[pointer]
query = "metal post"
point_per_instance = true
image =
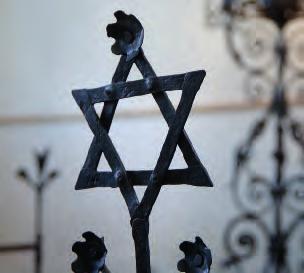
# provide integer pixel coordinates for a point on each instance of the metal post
(39, 188)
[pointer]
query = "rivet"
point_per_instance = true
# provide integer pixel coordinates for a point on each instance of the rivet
(154, 177)
(118, 176)
(108, 90)
(149, 83)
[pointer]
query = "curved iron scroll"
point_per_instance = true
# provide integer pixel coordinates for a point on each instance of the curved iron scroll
(252, 29)
(264, 37)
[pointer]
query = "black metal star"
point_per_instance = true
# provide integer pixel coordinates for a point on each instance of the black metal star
(128, 33)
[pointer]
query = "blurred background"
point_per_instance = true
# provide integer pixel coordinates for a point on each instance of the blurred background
(49, 48)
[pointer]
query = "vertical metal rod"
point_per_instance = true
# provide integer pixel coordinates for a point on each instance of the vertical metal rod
(38, 230)
(280, 106)
(140, 232)
(278, 194)
(39, 188)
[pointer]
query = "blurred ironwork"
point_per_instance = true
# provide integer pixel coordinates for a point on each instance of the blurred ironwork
(128, 34)
(252, 31)
(273, 208)
(38, 186)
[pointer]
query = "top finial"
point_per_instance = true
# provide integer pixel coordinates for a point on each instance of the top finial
(128, 33)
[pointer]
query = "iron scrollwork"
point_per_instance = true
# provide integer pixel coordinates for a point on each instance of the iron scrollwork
(128, 34)
(281, 197)
(273, 57)
(252, 28)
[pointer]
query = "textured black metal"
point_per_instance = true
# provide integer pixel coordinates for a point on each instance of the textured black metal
(273, 195)
(91, 254)
(128, 33)
(39, 186)
(197, 259)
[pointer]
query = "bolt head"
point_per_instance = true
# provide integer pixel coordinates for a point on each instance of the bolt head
(119, 176)
(149, 82)
(109, 90)
(154, 177)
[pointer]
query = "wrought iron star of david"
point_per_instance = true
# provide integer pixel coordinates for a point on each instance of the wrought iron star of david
(121, 178)
(128, 33)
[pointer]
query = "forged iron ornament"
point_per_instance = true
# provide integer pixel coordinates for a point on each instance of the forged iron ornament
(39, 186)
(91, 254)
(252, 28)
(197, 259)
(128, 34)
(281, 196)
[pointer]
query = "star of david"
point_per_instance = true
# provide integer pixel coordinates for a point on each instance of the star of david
(189, 83)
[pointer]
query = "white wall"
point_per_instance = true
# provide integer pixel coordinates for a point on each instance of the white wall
(50, 47)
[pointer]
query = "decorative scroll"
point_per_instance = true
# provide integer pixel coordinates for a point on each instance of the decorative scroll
(265, 38)
(266, 196)
(252, 31)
